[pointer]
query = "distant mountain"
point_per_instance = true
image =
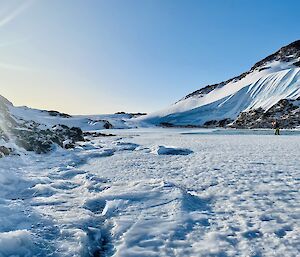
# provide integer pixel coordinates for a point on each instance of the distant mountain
(269, 90)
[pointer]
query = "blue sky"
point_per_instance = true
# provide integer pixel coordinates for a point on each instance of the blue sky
(103, 56)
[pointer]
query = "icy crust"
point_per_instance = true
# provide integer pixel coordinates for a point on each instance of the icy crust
(229, 198)
(17, 243)
(111, 196)
(163, 150)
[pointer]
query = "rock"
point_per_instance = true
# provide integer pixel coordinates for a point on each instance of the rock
(97, 134)
(68, 144)
(297, 64)
(166, 125)
(31, 136)
(286, 112)
(59, 114)
(4, 151)
(36, 141)
(217, 123)
(107, 125)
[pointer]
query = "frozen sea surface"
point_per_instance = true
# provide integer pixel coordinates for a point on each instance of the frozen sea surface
(231, 193)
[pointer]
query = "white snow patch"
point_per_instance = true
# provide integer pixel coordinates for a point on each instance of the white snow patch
(163, 150)
(17, 243)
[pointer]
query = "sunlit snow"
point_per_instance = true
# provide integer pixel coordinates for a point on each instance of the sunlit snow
(231, 193)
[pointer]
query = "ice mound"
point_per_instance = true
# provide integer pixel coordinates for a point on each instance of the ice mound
(17, 243)
(163, 150)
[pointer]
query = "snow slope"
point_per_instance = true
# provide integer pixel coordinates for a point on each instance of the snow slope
(270, 80)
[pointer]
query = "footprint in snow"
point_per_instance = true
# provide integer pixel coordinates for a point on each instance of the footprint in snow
(95, 205)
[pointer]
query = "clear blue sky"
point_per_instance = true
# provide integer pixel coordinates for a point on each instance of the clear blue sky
(103, 56)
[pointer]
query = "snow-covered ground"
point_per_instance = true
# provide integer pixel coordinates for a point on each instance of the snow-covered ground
(155, 192)
(85, 122)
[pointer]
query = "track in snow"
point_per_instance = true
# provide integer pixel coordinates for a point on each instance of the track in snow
(232, 195)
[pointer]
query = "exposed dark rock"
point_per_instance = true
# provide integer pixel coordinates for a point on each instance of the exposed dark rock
(264, 68)
(285, 112)
(36, 141)
(132, 114)
(285, 54)
(203, 91)
(137, 114)
(59, 114)
(97, 134)
(69, 145)
(41, 141)
(64, 132)
(170, 125)
(208, 124)
(217, 123)
(206, 90)
(5, 151)
(107, 125)
(29, 135)
(297, 64)
(166, 125)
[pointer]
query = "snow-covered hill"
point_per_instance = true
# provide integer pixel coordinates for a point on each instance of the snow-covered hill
(23, 128)
(270, 80)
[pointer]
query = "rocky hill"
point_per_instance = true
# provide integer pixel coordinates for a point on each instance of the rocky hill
(40, 131)
(16, 133)
(252, 99)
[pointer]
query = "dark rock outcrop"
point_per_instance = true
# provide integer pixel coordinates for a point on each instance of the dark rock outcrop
(285, 54)
(42, 141)
(106, 123)
(170, 125)
(5, 151)
(131, 114)
(30, 136)
(96, 134)
(286, 112)
(217, 123)
(59, 114)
